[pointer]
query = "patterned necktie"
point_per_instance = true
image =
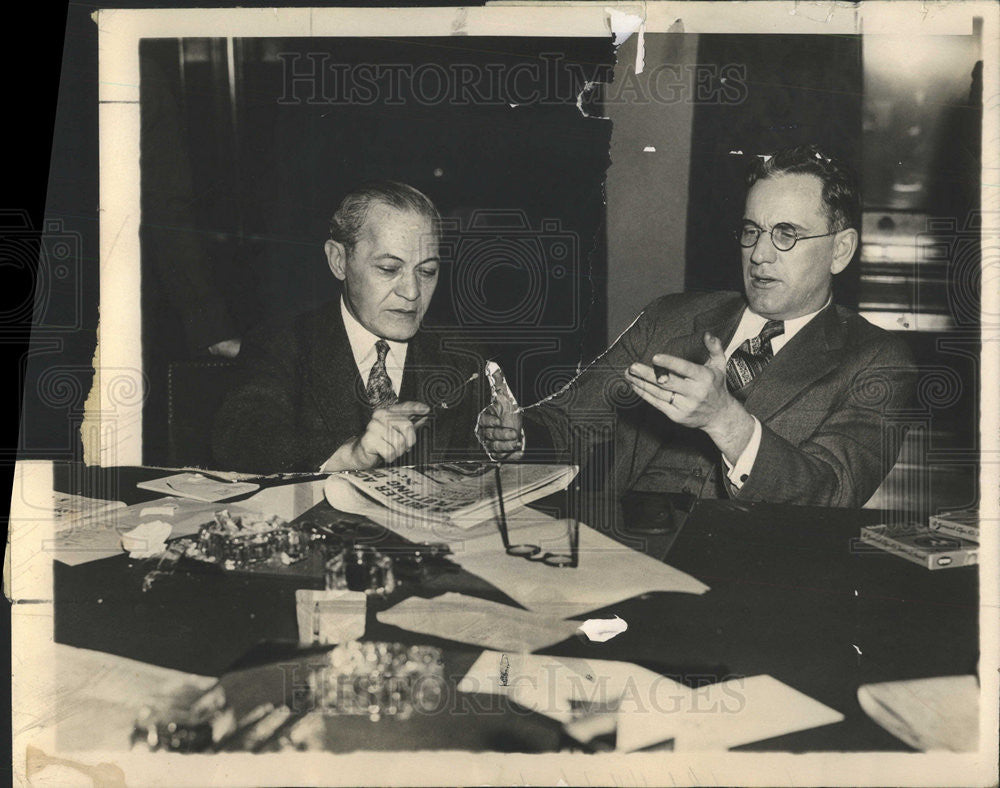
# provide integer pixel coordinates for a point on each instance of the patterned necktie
(379, 391)
(751, 357)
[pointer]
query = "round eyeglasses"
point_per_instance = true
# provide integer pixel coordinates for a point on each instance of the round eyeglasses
(783, 236)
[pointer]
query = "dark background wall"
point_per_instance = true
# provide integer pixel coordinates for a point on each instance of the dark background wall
(243, 165)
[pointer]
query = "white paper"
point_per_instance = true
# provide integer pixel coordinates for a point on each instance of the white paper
(601, 630)
(724, 715)
(198, 487)
(288, 501)
(479, 622)
(940, 713)
(329, 617)
(557, 686)
(608, 571)
(158, 511)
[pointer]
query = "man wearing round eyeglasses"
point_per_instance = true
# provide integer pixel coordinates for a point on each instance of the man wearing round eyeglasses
(774, 394)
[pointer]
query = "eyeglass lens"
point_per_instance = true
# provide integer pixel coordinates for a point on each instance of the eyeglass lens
(782, 236)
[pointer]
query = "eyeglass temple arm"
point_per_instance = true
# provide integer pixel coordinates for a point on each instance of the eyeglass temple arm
(503, 512)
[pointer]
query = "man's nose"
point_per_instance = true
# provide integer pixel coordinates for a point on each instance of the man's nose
(408, 287)
(763, 250)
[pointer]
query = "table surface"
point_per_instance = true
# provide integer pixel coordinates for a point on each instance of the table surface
(792, 594)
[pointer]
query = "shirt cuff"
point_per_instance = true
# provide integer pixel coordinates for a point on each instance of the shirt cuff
(739, 472)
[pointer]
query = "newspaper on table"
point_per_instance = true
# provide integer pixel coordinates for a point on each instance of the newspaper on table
(461, 494)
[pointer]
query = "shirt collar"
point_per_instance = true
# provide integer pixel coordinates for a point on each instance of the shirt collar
(363, 341)
(751, 324)
(796, 324)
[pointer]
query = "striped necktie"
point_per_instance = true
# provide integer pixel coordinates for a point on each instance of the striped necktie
(751, 357)
(379, 390)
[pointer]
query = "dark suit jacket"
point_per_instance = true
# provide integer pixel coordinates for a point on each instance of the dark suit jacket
(301, 398)
(825, 403)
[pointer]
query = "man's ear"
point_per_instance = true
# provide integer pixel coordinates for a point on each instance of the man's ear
(845, 243)
(336, 258)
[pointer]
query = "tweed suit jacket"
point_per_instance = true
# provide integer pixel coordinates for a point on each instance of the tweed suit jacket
(301, 396)
(825, 402)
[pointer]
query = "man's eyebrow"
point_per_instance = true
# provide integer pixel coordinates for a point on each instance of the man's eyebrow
(397, 259)
(793, 225)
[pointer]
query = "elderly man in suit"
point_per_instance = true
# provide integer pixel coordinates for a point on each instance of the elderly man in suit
(348, 385)
(775, 394)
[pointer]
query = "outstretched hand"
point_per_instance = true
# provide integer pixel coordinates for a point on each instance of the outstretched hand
(696, 396)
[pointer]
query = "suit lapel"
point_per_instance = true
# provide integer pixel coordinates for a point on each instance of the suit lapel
(809, 355)
(335, 387)
(721, 321)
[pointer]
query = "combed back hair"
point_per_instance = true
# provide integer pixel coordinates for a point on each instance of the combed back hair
(350, 217)
(840, 186)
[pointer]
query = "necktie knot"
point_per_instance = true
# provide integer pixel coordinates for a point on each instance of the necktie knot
(382, 348)
(772, 329)
(751, 357)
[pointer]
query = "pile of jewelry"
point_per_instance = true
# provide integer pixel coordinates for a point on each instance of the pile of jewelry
(238, 541)
(377, 680)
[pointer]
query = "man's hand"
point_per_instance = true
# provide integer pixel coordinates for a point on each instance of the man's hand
(390, 434)
(500, 422)
(696, 396)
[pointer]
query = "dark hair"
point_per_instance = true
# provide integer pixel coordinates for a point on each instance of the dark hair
(840, 187)
(352, 213)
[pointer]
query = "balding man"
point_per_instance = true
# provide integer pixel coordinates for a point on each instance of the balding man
(350, 385)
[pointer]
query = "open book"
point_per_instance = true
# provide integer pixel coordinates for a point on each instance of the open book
(461, 494)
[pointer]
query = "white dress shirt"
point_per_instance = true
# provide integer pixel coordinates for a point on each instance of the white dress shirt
(750, 326)
(363, 346)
